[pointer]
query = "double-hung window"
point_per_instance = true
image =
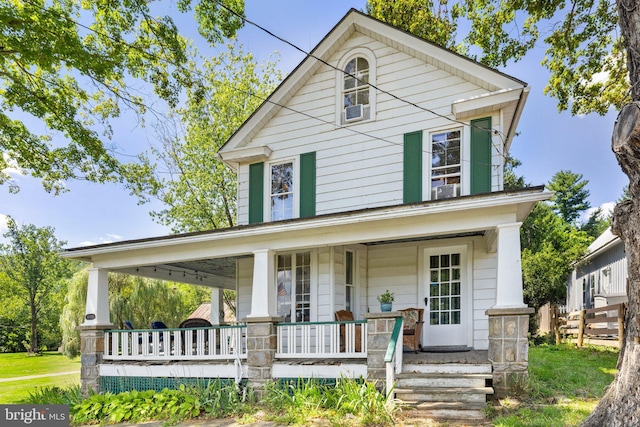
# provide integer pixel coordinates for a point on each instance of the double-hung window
(355, 93)
(294, 287)
(445, 164)
(281, 191)
(349, 287)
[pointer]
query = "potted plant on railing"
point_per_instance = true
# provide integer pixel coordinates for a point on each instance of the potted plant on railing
(386, 300)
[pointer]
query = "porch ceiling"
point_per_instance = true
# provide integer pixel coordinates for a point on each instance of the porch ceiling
(209, 258)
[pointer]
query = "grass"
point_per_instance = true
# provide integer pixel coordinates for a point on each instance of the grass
(565, 384)
(21, 364)
(13, 365)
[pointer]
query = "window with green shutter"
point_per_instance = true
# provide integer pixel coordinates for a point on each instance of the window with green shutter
(256, 193)
(412, 167)
(307, 184)
(481, 155)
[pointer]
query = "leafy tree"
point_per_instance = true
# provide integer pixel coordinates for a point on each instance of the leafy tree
(70, 64)
(550, 247)
(423, 18)
(596, 224)
(571, 198)
(136, 299)
(185, 174)
(512, 181)
(34, 270)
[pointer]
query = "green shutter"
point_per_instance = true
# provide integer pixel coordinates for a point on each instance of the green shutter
(256, 193)
(412, 173)
(481, 155)
(307, 184)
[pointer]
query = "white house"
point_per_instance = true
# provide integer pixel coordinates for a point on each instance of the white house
(377, 164)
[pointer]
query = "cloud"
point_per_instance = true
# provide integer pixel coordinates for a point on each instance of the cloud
(3, 223)
(607, 210)
(111, 238)
(13, 167)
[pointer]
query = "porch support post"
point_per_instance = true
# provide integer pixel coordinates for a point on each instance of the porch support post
(263, 293)
(217, 306)
(97, 310)
(96, 321)
(509, 281)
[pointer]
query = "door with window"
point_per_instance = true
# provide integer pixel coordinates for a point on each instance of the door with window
(446, 294)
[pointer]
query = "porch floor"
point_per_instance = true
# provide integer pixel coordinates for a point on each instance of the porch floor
(473, 357)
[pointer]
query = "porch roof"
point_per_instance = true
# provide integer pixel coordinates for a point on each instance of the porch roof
(208, 257)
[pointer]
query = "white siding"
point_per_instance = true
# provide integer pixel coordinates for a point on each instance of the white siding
(325, 308)
(485, 267)
(355, 170)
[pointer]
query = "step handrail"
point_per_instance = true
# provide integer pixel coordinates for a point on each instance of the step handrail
(391, 356)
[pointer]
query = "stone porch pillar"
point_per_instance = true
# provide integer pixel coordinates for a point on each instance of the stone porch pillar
(509, 349)
(379, 330)
(509, 318)
(96, 321)
(262, 343)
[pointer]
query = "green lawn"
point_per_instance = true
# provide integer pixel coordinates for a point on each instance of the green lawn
(565, 384)
(14, 365)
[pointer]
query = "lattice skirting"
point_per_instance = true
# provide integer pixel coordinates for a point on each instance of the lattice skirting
(120, 384)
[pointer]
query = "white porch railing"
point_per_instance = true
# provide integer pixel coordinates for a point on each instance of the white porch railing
(322, 340)
(212, 343)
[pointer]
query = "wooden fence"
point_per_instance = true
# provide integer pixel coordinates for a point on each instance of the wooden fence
(600, 326)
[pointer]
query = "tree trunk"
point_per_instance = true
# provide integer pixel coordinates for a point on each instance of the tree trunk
(33, 348)
(621, 403)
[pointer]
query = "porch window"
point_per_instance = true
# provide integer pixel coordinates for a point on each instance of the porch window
(445, 165)
(444, 289)
(348, 282)
(281, 191)
(294, 302)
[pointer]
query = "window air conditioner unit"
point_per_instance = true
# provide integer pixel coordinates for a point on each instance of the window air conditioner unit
(353, 113)
(446, 191)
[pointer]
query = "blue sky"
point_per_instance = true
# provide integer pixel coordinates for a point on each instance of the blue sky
(548, 141)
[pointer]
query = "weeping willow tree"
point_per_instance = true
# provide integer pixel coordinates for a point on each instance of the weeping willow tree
(137, 299)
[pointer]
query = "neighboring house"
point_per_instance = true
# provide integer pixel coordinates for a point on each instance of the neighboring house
(600, 277)
(377, 166)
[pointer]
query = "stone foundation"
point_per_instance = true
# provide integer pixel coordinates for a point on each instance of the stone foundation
(379, 329)
(509, 349)
(262, 343)
(92, 348)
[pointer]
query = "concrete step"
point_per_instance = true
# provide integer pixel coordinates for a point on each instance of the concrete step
(446, 410)
(440, 394)
(420, 379)
(447, 368)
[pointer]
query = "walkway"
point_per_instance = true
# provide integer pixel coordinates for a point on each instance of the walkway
(32, 377)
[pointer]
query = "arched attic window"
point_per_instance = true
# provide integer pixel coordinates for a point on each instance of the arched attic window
(356, 97)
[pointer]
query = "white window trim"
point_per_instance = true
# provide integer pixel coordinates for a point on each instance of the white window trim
(354, 284)
(370, 57)
(296, 187)
(465, 156)
(313, 285)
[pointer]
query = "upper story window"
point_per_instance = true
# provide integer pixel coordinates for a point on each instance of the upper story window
(445, 164)
(356, 89)
(281, 191)
(355, 99)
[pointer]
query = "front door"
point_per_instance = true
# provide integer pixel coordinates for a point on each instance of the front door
(445, 291)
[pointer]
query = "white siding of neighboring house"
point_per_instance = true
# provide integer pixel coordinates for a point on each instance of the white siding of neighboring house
(357, 171)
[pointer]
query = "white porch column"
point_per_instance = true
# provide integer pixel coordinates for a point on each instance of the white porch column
(263, 294)
(97, 311)
(217, 306)
(509, 287)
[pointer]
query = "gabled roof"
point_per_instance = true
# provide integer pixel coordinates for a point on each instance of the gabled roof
(605, 241)
(502, 89)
